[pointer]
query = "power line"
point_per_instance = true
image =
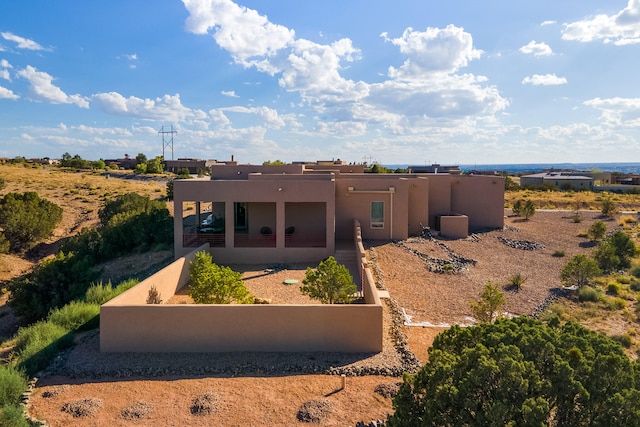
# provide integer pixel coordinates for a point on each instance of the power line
(167, 141)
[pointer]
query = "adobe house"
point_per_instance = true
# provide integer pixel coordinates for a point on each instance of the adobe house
(298, 212)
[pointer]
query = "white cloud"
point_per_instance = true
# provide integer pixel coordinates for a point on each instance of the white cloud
(269, 116)
(536, 49)
(621, 29)
(434, 50)
(4, 74)
(5, 64)
(549, 22)
(240, 30)
(22, 42)
(166, 108)
(229, 93)
(7, 94)
(544, 80)
(424, 87)
(618, 111)
(42, 88)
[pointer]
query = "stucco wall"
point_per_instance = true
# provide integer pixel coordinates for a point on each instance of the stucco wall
(128, 324)
(454, 226)
(481, 198)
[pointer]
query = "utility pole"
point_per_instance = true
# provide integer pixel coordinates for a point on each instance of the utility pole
(167, 141)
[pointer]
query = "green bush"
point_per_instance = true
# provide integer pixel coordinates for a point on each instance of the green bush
(559, 253)
(597, 230)
(38, 344)
(329, 283)
(616, 303)
(76, 315)
(614, 289)
(625, 340)
(214, 284)
(635, 271)
(100, 294)
(587, 293)
(13, 416)
(27, 219)
(13, 382)
(53, 283)
(625, 280)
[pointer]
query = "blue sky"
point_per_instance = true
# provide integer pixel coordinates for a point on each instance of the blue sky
(409, 81)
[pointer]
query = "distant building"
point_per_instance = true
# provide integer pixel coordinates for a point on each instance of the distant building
(434, 168)
(562, 180)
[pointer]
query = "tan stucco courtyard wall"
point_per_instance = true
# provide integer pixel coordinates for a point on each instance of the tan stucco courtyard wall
(128, 324)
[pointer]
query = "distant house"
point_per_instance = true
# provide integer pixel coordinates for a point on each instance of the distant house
(562, 180)
(434, 168)
(297, 212)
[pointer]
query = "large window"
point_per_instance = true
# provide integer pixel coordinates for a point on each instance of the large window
(377, 214)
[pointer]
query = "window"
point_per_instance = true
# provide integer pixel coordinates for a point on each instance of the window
(377, 214)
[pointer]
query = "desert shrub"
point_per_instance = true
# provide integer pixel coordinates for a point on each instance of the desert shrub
(205, 404)
(76, 315)
(635, 285)
(516, 281)
(625, 280)
(387, 389)
(153, 296)
(635, 271)
(13, 416)
(329, 283)
(136, 411)
(52, 284)
(559, 253)
(314, 411)
(626, 219)
(587, 293)
(614, 289)
(577, 218)
(615, 252)
(5, 245)
(597, 230)
(518, 372)
(625, 340)
(608, 208)
(214, 284)
(487, 307)
(38, 344)
(27, 219)
(13, 382)
(82, 407)
(616, 303)
(99, 293)
(579, 271)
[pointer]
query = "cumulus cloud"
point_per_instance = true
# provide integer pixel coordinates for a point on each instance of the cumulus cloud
(536, 49)
(434, 50)
(618, 111)
(425, 85)
(41, 88)
(240, 30)
(229, 93)
(544, 80)
(7, 94)
(166, 108)
(621, 28)
(21, 42)
(5, 64)
(268, 116)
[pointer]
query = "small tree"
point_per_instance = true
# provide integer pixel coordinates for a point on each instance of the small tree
(517, 208)
(615, 251)
(27, 219)
(597, 230)
(487, 308)
(214, 284)
(528, 209)
(330, 283)
(579, 271)
(608, 207)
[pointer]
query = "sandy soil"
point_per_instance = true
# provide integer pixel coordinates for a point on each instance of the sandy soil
(274, 400)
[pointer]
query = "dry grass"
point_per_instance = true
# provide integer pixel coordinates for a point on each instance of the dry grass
(571, 200)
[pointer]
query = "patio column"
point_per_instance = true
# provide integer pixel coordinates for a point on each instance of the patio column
(229, 229)
(280, 224)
